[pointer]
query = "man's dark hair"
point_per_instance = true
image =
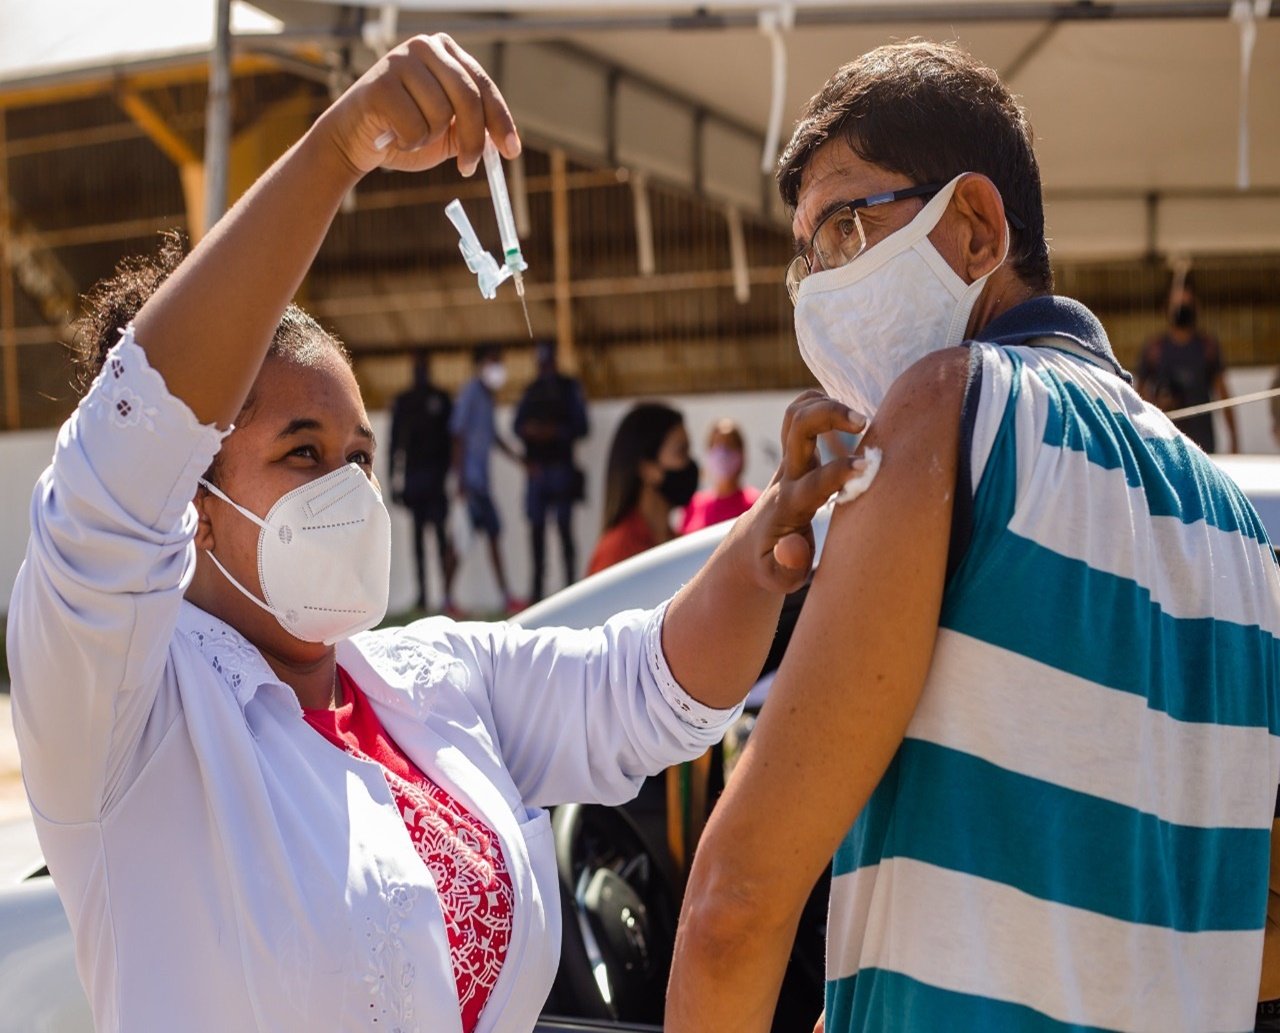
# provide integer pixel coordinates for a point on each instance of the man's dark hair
(930, 112)
(485, 352)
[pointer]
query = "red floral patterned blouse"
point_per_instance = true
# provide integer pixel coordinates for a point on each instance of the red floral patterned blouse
(459, 849)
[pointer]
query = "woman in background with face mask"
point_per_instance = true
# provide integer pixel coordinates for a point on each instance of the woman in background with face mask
(650, 474)
(351, 821)
(727, 498)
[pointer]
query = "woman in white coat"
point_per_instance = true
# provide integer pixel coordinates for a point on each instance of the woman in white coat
(260, 815)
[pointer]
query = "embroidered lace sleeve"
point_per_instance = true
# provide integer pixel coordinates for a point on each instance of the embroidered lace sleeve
(128, 422)
(582, 715)
(95, 604)
(685, 707)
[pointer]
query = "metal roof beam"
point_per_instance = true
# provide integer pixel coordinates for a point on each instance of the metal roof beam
(480, 26)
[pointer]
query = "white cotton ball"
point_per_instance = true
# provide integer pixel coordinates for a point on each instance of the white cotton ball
(861, 480)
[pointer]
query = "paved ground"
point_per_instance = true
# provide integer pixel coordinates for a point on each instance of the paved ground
(13, 801)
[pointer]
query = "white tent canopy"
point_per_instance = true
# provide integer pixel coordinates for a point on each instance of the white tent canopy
(51, 39)
(1137, 105)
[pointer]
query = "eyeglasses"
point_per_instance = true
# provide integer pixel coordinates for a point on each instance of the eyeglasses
(840, 237)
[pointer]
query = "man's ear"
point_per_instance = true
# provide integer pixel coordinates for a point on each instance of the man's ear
(204, 526)
(978, 228)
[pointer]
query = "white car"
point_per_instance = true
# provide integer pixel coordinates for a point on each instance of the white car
(619, 903)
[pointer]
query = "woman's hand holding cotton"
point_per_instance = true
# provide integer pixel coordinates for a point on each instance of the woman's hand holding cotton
(783, 544)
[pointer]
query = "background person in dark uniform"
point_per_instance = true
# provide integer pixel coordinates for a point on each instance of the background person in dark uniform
(551, 416)
(421, 449)
(1182, 366)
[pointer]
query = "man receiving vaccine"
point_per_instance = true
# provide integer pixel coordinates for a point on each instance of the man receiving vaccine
(1031, 705)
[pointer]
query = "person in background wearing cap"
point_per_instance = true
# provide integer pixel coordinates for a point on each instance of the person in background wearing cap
(1030, 713)
(551, 416)
(727, 498)
(475, 435)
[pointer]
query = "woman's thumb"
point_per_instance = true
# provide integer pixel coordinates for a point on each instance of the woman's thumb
(793, 552)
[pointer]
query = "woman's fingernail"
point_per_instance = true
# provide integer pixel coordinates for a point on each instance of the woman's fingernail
(512, 144)
(468, 168)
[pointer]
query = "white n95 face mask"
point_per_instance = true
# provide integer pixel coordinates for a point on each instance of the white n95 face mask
(493, 375)
(324, 556)
(863, 325)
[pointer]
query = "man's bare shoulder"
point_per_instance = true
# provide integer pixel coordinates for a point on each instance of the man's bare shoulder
(928, 395)
(917, 433)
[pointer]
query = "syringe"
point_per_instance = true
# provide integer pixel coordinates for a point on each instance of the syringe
(479, 261)
(512, 255)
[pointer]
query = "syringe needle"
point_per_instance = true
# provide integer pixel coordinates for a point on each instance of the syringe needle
(524, 305)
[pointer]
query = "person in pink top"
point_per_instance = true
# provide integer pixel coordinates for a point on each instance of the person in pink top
(727, 498)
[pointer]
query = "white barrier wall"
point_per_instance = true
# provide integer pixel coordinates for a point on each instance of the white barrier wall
(759, 414)
(24, 454)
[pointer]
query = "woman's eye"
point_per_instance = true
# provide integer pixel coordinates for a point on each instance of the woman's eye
(361, 458)
(305, 452)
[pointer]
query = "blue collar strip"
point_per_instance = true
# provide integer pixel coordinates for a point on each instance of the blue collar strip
(1050, 315)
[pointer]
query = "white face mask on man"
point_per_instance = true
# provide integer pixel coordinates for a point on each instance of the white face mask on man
(324, 556)
(861, 326)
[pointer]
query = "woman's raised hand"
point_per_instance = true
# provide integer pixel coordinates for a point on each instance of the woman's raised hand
(425, 102)
(782, 531)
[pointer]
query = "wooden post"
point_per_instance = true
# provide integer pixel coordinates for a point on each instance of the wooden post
(8, 339)
(175, 147)
(566, 354)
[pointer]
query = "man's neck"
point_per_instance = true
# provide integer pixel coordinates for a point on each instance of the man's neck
(1005, 290)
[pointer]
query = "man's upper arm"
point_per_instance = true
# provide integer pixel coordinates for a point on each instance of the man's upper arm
(852, 676)
(522, 414)
(1214, 361)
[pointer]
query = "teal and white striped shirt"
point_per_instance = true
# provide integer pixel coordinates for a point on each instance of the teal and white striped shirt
(1075, 832)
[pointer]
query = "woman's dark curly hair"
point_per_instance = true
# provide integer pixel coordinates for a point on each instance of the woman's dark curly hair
(112, 303)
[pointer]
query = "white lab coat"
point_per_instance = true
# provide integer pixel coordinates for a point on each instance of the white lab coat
(224, 868)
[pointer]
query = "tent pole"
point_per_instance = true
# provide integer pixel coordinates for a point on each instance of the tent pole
(566, 355)
(217, 133)
(457, 20)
